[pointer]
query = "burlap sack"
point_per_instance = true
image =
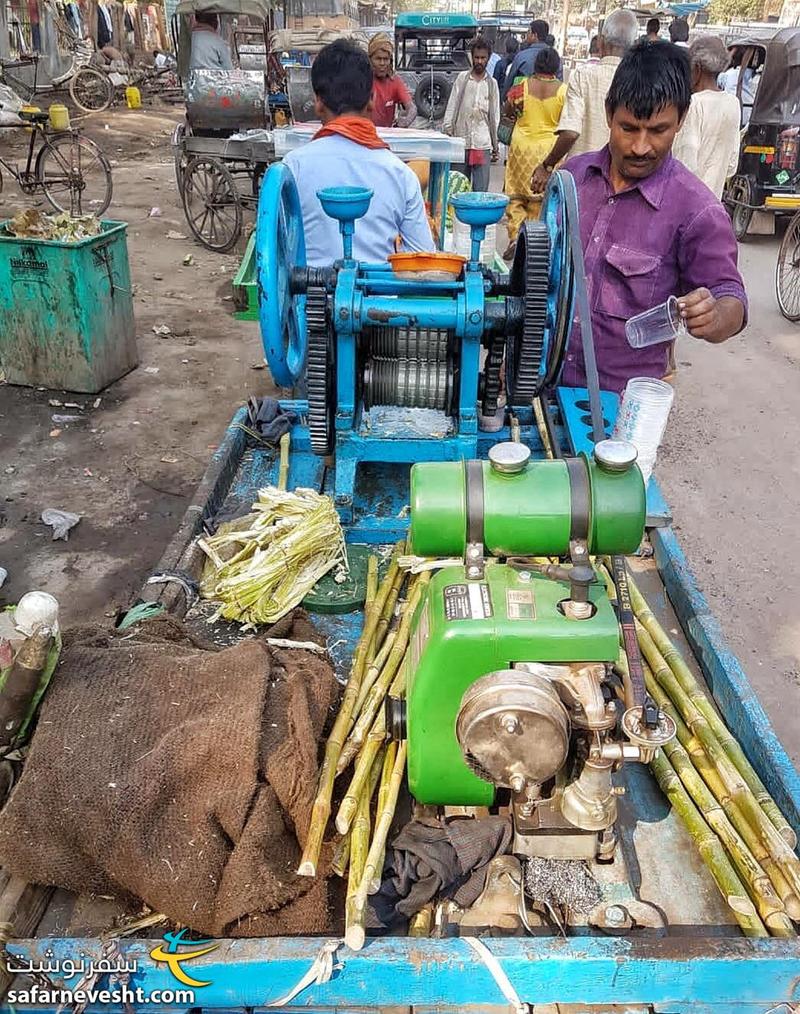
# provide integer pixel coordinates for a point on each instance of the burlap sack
(170, 772)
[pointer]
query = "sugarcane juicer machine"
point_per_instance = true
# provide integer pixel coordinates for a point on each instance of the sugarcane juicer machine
(362, 337)
(510, 689)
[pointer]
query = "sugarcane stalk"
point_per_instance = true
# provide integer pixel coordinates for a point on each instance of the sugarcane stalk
(359, 838)
(420, 924)
(376, 695)
(341, 856)
(321, 810)
(734, 783)
(383, 794)
(366, 758)
(389, 608)
(699, 698)
(372, 673)
(355, 934)
(756, 882)
(283, 468)
(699, 758)
(710, 848)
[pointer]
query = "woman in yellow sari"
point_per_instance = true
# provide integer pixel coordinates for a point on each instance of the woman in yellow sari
(536, 103)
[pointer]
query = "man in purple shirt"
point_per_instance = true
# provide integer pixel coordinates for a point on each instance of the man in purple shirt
(650, 229)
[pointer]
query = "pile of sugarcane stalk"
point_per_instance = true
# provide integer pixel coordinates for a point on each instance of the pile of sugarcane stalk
(358, 739)
(745, 841)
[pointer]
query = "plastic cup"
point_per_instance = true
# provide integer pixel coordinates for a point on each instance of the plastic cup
(642, 418)
(661, 323)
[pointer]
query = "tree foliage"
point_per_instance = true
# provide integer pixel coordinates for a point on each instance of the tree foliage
(725, 11)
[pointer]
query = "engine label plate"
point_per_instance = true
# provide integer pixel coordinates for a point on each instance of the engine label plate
(467, 601)
(519, 604)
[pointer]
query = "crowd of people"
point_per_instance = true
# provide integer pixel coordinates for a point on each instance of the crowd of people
(652, 226)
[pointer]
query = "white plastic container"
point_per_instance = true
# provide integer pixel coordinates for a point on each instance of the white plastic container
(642, 418)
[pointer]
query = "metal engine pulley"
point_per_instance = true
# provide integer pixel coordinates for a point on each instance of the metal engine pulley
(281, 248)
(542, 275)
(513, 729)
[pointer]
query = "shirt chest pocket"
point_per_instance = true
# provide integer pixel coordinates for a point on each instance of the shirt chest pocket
(629, 281)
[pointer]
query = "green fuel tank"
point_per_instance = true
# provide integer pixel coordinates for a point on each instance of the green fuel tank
(516, 506)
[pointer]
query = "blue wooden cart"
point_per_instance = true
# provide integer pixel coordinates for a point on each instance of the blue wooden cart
(699, 965)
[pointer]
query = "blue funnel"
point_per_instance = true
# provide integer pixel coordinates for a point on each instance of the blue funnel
(477, 210)
(345, 204)
(480, 209)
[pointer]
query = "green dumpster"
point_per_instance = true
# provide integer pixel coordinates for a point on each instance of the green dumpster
(66, 310)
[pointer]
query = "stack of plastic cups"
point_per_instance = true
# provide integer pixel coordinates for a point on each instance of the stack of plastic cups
(642, 418)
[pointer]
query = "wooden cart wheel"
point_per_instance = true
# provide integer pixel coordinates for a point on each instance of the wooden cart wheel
(211, 203)
(787, 272)
(179, 136)
(739, 198)
(91, 90)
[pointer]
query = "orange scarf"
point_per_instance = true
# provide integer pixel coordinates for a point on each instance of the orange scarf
(354, 128)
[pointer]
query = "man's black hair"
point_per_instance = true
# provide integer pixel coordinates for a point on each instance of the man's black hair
(651, 76)
(512, 45)
(540, 29)
(480, 43)
(546, 62)
(341, 77)
(653, 26)
(594, 45)
(679, 30)
(207, 18)
(550, 40)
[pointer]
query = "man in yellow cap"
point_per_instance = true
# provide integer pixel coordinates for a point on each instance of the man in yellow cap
(388, 91)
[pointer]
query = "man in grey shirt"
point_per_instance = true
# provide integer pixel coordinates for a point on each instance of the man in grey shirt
(209, 51)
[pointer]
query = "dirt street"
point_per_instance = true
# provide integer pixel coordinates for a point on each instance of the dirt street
(730, 467)
(129, 466)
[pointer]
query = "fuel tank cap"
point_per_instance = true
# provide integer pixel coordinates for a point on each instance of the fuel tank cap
(615, 455)
(509, 457)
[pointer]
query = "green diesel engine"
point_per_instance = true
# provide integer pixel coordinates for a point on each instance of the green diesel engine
(510, 668)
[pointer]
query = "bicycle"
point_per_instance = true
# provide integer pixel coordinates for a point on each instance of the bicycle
(787, 272)
(70, 170)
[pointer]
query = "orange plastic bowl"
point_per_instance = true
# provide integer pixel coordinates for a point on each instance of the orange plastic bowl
(449, 264)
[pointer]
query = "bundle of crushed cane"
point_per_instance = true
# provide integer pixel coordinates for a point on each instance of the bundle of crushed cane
(359, 738)
(744, 839)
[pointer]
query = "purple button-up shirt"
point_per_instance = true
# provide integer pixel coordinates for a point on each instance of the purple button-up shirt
(666, 235)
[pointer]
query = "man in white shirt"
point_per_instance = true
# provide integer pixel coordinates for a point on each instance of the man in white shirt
(473, 114)
(347, 152)
(583, 125)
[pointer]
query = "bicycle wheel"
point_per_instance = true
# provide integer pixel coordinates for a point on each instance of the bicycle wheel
(211, 203)
(91, 90)
(178, 153)
(787, 272)
(74, 174)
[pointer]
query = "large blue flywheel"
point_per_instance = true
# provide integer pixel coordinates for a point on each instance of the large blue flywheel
(280, 248)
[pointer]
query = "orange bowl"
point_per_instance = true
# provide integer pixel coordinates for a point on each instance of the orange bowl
(416, 263)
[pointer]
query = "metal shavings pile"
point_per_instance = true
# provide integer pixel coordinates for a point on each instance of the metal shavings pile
(562, 883)
(394, 420)
(64, 228)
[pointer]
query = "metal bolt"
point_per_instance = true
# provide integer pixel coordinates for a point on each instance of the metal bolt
(473, 571)
(473, 552)
(611, 708)
(509, 723)
(618, 790)
(615, 915)
(524, 575)
(517, 783)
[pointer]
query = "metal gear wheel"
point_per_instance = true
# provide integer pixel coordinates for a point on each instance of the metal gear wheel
(320, 371)
(530, 278)
(492, 368)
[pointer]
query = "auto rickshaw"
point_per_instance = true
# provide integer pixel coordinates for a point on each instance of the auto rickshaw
(768, 87)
